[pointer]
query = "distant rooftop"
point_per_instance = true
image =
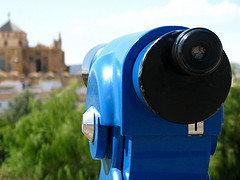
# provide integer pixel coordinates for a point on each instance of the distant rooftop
(9, 26)
(75, 69)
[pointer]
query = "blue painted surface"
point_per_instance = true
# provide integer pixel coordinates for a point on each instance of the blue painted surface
(111, 165)
(167, 157)
(141, 144)
(98, 147)
(135, 74)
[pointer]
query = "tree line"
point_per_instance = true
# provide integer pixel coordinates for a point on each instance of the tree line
(43, 139)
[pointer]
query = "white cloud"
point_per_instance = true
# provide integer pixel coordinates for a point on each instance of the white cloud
(191, 12)
(79, 29)
(222, 18)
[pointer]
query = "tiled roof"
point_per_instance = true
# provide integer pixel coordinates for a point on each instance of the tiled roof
(9, 26)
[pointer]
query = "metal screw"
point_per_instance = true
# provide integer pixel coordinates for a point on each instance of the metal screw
(88, 124)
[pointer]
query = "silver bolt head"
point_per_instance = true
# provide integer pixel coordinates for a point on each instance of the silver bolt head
(88, 124)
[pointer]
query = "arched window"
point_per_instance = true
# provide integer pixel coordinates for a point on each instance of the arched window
(2, 64)
(9, 67)
(20, 43)
(45, 68)
(5, 43)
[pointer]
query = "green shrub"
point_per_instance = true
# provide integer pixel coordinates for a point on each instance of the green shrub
(225, 163)
(18, 107)
(48, 143)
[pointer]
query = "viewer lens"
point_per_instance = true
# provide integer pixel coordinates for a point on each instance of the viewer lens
(197, 51)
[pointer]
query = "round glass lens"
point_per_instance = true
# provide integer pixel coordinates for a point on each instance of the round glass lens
(198, 52)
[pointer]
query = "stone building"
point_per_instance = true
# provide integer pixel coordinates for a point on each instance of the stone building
(17, 56)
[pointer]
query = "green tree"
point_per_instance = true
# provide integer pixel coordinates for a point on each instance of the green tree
(225, 163)
(48, 143)
(18, 107)
(3, 152)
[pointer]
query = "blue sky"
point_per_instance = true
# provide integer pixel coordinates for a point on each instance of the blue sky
(84, 24)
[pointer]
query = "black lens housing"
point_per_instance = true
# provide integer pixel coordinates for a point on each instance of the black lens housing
(183, 56)
(177, 90)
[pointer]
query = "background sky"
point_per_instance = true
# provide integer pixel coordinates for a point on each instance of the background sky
(84, 24)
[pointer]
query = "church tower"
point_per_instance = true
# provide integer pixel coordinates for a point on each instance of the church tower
(11, 36)
(12, 42)
(16, 55)
(58, 43)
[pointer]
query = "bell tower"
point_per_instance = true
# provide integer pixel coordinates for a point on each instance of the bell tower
(11, 36)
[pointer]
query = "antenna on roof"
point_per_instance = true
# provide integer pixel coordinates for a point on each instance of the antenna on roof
(9, 16)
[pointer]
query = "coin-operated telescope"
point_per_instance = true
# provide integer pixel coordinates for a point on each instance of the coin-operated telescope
(154, 105)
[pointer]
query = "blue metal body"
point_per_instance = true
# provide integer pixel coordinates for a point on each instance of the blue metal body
(131, 141)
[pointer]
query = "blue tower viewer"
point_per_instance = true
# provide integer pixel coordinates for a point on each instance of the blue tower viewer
(154, 105)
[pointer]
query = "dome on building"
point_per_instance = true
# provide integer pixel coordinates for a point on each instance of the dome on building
(13, 74)
(65, 74)
(3, 74)
(34, 75)
(9, 26)
(50, 75)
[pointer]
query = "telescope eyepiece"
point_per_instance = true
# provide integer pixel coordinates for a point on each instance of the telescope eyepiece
(197, 51)
(183, 76)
